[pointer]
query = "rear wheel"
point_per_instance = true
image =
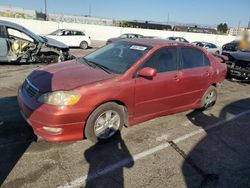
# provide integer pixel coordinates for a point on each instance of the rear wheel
(84, 45)
(105, 122)
(209, 98)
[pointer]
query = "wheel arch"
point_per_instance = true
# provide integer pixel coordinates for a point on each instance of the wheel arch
(214, 84)
(83, 40)
(118, 102)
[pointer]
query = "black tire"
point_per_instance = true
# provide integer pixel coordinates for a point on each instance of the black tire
(229, 76)
(84, 45)
(207, 103)
(90, 124)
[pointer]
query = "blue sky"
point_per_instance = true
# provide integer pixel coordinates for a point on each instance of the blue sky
(188, 11)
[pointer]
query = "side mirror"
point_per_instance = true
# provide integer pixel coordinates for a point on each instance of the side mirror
(147, 72)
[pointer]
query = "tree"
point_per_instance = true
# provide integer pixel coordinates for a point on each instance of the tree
(222, 28)
(124, 24)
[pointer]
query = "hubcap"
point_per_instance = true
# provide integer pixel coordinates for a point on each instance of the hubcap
(84, 45)
(107, 124)
(210, 99)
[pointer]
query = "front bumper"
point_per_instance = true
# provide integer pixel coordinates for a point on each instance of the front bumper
(71, 121)
(238, 73)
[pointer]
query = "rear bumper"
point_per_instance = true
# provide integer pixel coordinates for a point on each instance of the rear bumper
(71, 122)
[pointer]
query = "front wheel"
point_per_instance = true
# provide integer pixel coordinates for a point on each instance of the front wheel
(209, 98)
(105, 122)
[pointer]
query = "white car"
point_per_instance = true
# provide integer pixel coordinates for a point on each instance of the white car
(208, 46)
(72, 38)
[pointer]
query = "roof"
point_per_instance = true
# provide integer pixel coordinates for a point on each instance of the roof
(70, 30)
(155, 42)
(20, 28)
(202, 42)
(11, 24)
(131, 34)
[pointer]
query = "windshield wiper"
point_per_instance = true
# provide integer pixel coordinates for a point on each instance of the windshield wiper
(106, 69)
(88, 63)
(94, 65)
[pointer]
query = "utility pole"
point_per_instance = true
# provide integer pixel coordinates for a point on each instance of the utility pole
(45, 8)
(90, 9)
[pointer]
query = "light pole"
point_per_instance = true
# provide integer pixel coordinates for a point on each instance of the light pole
(45, 8)
(90, 9)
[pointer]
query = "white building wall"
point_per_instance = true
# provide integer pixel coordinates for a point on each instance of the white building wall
(98, 32)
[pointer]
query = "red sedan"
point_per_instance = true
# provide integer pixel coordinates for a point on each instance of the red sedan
(123, 83)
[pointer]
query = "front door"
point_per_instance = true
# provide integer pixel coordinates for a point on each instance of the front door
(158, 94)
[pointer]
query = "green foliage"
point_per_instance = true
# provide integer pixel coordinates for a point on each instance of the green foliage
(222, 28)
(124, 24)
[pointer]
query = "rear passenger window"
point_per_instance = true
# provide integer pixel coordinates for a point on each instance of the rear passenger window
(163, 60)
(192, 58)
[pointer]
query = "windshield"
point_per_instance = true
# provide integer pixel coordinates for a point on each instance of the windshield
(118, 57)
(33, 35)
(124, 36)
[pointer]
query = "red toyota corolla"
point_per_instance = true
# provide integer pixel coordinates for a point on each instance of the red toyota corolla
(123, 83)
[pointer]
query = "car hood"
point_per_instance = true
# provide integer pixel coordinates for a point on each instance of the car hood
(67, 76)
(241, 55)
(55, 43)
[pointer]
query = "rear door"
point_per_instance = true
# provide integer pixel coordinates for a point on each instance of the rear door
(62, 36)
(158, 94)
(195, 74)
(77, 37)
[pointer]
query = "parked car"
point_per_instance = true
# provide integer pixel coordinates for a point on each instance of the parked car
(231, 46)
(124, 36)
(208, 46)
(238, 64)
(18, 44)
(123, 83)
(72, 38)
(178, 39)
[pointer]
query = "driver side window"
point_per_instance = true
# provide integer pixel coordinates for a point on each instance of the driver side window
(163, 60)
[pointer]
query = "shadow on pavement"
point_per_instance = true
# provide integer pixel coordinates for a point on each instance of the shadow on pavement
(222, 157)
(15, 136)
(102, 157)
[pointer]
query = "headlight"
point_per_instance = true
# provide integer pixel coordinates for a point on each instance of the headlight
(59, 98)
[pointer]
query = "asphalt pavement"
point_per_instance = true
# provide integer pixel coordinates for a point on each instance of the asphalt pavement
(189, 149)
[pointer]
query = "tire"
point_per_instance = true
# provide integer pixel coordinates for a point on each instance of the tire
(209, 98)
(229, 76)
(98, 129)
(84, 45)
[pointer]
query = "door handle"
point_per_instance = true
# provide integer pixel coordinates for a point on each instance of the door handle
(207, 73)
(177, 78)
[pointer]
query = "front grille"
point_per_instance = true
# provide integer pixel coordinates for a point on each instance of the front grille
(30, 89)
(242, 65)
